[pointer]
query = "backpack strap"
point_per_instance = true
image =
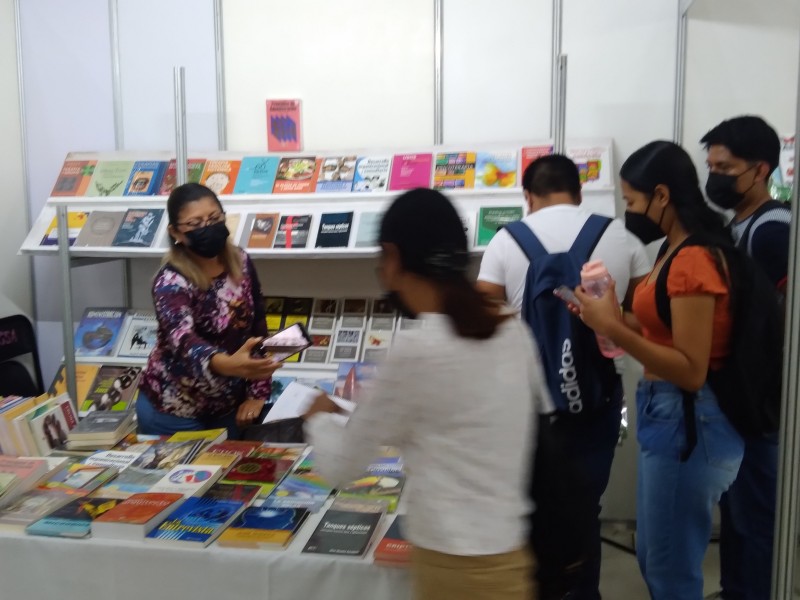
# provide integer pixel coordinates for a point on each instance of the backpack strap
(768, 206)
(589, 237)
(527, 240)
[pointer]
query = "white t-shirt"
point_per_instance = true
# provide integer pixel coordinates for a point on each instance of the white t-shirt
(504, 263)
(463, 413)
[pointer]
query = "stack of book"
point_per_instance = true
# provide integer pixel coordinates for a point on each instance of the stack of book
(101, 429)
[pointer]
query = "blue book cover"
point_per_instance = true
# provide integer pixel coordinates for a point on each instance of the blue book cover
(257, 175)
(372, 174)
(336, 174)
(138, 229)
(73, 520)
(98, 331)
(197, 520)
(145, 178)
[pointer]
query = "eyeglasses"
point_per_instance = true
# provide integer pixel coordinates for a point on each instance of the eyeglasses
(192, 224)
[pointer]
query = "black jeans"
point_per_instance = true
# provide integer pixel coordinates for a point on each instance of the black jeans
(571, 471)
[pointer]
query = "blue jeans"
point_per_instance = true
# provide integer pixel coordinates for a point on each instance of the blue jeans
(748, 523)
(154, 422)
(675, 499)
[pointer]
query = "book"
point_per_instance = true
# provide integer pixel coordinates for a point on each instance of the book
(20, 426)
(264, 527)
(220, 175)
(98, 331)
(295, 401)
(274, 310)
(531, 153)
(72, 520)
(84, 378)
(354, 313)
(394, 549)
(50, 429)
(284, 126)
(301, 488)
(376, 345)
(141, 333)
(233, 491)
(109, 178)
(334, 230)
(224, 460)
(189, 480)
(454, 171)
(207, 436)
(198, 521)
(319, 352)
(411, 171)
(265, 472)
(350, 379)
(28, 471)
(594, 165)
(8, 481)
(101, 425)
(120, 460)
(492, 219)
(372, 174)
(166, 455)
(336, 174)
(132, 480)
(79, 478)
(323, 315)
(114, 389)
(74, 178)
(135, 517)
(283, 451)
(293, 231)
(297, 175)
(256, 175)
(262, 228)
(30, 507)
(369, 225)
(232, 223)
(496, 170)
(346, 529)
(145, 178)
(138, 228)
(100, 229)
(376, 486)
(76, 220)
(388, 461)
(195, 168)
(240, 448)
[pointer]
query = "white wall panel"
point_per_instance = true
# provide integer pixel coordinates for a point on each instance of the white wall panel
(181, 35)
(363, 69)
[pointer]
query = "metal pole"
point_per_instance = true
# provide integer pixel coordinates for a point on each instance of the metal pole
(785, 548)
(219, 47)
(559, 137)
(66, 291)
(556, 54)
(680, 76)
(438, 57)
(181, 160)
(116, 74)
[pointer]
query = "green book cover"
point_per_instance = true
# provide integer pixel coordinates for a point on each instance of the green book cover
(493, 218)
(110, 177)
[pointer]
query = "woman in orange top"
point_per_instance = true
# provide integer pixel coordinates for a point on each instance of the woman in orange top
(679, 481)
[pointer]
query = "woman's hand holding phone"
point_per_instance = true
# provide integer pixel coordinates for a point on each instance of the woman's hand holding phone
(242, 364)
(568, 297)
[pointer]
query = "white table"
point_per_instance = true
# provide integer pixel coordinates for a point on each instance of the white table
(41, 568)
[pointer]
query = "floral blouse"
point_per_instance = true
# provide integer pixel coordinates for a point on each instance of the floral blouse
(193, 326)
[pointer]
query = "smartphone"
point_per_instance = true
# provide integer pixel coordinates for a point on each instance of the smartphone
(284, 344)
(565, 294)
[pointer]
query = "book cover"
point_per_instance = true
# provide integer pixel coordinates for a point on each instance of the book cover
(233, 491)
(240, 448)
(346, 533)
(85, 375)
(50, 429)
(109, 178)
(411, 171)
(531, 153)
(112, 390)
(372, 174)
(138, 228)
(74, 178)
(492, 219)
(293, 231)
(101, 424)
(232, 223)
(188, 480)
(393, 547)
(350, 379)
(207, 436)
(140, 335)
(354, 313)
(132, 480)
(284, 126)
(376, 345)
(265, 472)
(220, 175)
(323, 314)
(197, 520)
(195, 168)
(257, 175)
(76, 220)
(32, 506)
(337, 173)
(98, 331)
(496, 170)
(79, 478)
(297, 175)
(263, 229)
(100, 228)
(25, 469)
(274, 309)
(139, 509)
(74, 519)
(320, 350)
(8, 481)
(304, 489)
(593, 164)
(454, 171)
(166, 455)
(145, 178)
(369, 225)
(120, 460)
(375, 486)
(334, 230)
(264, 527)
(290, 452)
(388, 461)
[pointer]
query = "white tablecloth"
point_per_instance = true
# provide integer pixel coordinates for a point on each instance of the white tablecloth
(41, 568)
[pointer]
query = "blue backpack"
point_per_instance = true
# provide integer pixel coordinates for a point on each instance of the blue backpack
(579, 377)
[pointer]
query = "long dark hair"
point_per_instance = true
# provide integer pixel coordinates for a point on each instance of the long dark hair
(430, 239)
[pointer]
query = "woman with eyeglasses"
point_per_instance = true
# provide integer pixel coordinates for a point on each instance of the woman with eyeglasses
(200, 374)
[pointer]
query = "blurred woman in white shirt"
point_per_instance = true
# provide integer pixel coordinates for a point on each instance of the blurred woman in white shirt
(459, 397)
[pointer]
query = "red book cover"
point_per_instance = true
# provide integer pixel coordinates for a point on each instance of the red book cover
(139, 508)
(284, 126)
(394, 548)
(170, 180)
(531, 153)
(239, 447)
(261, 470)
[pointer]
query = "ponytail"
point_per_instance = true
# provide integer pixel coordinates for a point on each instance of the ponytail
(472, 314)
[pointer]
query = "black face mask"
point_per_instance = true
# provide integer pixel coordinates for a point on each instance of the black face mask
(721, 189)
(208, 241)
(640, 225)
(395, 300)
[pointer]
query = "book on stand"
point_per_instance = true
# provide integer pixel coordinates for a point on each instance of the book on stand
(454, 171)
(297, 175)
(145, 178)
(109, 178)
(98, 331)
(293, 232)
(220, 175)
(496, 170)
(284, 126)
(76, 221)
(336, 174)
(138, 228)
(100, 229)
(256, 175)
(262, 229)
(141, 332)
(195, 168)
(492, 219)
(114, 389)
(372, 174)
(411, 171)
(74, 178)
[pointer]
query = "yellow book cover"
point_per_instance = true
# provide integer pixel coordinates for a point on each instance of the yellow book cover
(208, 435)
(226, 461)
(84, 378)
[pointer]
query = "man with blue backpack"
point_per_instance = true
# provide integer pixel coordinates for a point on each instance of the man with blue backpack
(522, 265)
(743, 152)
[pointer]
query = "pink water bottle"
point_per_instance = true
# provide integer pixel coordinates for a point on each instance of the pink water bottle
(595, 280)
